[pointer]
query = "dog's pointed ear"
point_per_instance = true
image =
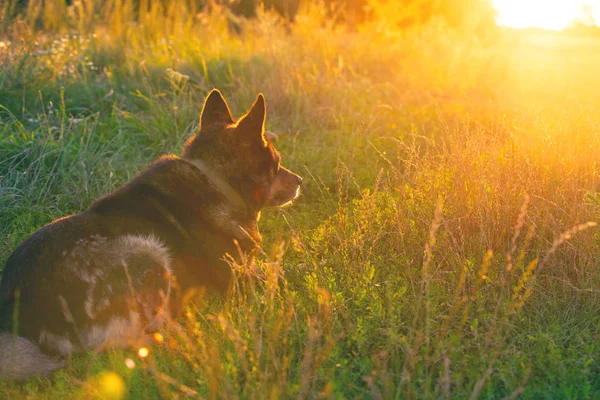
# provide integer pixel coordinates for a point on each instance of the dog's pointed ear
(215, 110)
(252, 124)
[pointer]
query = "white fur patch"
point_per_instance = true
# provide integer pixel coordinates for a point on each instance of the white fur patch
(61, 344)
(117, 252)
(84, 253)
(144, 244)
(120, 332)
(94, 260)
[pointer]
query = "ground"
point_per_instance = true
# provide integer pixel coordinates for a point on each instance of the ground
(444, 245)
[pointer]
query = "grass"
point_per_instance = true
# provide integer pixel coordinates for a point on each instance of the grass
(444, 245)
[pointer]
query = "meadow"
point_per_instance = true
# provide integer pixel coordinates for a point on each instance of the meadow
(445, 242)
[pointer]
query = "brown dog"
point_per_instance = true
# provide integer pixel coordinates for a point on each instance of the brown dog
(96, 277)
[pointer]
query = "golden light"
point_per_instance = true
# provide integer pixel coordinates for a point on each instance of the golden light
(158, 338)
(547, 14)
(110, 386)
(143, 352)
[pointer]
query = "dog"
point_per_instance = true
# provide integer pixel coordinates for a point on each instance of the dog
(96, 278)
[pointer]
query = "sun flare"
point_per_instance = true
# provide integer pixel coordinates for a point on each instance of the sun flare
(554, 15)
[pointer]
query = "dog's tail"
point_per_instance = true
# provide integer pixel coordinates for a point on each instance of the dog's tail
(21, 359)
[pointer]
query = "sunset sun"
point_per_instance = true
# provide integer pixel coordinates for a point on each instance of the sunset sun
(553, 15)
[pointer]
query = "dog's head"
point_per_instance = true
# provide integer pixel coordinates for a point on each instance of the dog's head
(241, 154)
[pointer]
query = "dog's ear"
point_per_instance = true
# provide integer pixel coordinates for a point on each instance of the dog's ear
(252, 124)
(215, 110)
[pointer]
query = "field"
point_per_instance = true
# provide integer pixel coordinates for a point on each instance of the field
(444, 245)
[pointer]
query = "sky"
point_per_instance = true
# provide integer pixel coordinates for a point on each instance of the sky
(548, 14)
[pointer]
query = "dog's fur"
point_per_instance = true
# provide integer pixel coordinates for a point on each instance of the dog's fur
(103, 276)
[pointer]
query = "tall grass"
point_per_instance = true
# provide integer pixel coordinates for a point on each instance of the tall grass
(444, 245)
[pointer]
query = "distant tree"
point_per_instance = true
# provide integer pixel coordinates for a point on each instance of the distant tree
(404, 13)
(247, 8)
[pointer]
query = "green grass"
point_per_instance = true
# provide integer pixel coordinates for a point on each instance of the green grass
(424, 258)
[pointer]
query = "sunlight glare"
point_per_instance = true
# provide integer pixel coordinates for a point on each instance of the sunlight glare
(554, 15)
(110, 386)
(158, 338)
(143, 352)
